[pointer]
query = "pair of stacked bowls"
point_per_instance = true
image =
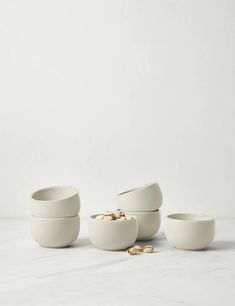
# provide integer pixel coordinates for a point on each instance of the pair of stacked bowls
(143, 203)
(55, 221)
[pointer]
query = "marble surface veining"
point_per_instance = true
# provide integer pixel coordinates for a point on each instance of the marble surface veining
(83, 275)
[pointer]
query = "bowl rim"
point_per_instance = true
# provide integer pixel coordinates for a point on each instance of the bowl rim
(137, 189)
(190, 217)
(154, 212)
(55, 218)
(93, 217)
(74, 192)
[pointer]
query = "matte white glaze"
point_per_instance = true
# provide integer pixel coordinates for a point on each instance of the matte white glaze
(189, 232)
(57, 201)
(146, 198)
(112, 234)
(55, 232)
(148, 223)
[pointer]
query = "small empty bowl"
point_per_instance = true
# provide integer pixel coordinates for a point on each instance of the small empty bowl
(54, 202)
(113, 235)
(189, 232)
(146, 198)
(148, 223)
(55, 232)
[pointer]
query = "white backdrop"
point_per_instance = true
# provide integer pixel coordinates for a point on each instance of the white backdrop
(109, 95)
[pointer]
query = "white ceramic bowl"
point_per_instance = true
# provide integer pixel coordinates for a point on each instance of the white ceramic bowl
(55, 232)
(54, 202)
(148, 223)
(189, 232)
(146, 198)
(112, 235)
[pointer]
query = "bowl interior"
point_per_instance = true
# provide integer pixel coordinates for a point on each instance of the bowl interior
(127, 191)
(190, 217)
(55, 219)
(137, 189)
(54, 193)
(142, 212)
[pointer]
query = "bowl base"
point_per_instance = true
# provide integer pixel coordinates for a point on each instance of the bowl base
(55, 247)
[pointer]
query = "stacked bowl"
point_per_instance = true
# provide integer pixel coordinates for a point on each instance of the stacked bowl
(55, 221)
(143, 203)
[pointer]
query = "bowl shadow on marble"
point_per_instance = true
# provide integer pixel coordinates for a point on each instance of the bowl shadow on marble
(222, 245)
(160, 240)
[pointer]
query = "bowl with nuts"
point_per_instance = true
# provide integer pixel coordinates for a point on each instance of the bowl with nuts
(113, 231)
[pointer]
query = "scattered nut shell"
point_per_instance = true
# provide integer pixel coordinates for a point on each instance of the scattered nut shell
(139, 248)
(133, 251)
(148, 249)
(148, 246)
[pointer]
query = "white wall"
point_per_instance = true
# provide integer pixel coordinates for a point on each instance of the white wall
(109, 95)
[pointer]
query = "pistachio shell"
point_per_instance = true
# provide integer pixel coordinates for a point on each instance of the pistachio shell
(148, 249)
(133, 251)
(109, 213)
(139, 248)
(118, 215)
(108, 218)
(148, 246)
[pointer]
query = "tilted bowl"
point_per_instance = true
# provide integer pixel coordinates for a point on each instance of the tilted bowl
(54, 202)
(146, 198)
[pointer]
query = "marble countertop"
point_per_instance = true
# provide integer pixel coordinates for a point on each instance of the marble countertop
(83, 275)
